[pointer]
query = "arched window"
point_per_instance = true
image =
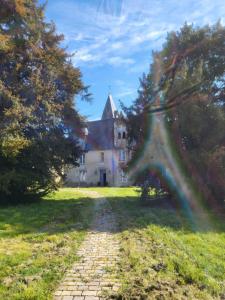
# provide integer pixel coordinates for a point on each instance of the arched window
(124, 135)
(119, 135)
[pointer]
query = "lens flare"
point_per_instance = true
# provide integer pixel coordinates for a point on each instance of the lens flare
(158, 154)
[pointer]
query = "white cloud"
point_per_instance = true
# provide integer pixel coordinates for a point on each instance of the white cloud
(118, 61)
(126, 92)
(115, 32)
(117, 45)
(83, 55)
(123, 90)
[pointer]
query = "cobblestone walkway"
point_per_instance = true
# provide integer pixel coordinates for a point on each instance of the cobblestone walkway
(90, 278)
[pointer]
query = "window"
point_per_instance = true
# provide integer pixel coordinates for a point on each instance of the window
(102, 157)
(122, 155)
(119, 135)
(129, 154)
(83, 175)
(82, 159)
(123, 176)
(124, 135)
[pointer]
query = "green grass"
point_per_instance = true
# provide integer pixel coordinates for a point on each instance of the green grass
(39, 241)
(162, 257)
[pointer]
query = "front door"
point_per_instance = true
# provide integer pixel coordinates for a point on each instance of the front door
(103, 177)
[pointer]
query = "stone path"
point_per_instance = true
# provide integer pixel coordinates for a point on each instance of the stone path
(90, 278)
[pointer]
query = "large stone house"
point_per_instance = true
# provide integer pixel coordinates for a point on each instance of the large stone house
(106, 153)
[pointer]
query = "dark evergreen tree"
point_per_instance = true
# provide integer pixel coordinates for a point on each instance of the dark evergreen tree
(38, 119)
(193, 87)
(137, 114)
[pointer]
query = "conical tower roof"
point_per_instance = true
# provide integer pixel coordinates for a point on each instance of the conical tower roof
(110, 109)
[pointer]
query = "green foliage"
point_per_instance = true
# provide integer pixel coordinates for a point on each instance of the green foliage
(137, 117)
(190, 79)
(197, 127)
(194, 85)
(38, 120)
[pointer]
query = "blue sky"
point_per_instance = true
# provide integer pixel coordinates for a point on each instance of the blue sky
(112, 40)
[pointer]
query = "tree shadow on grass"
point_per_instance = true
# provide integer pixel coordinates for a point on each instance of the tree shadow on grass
(131, 215)
(66, 215)
(46, 216)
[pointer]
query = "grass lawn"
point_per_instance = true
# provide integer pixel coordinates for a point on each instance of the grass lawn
(39, 241)
(162, 257)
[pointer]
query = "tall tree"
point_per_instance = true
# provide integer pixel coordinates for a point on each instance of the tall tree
(38, 119)
(192, 87)
(137, 114)
(194, 70)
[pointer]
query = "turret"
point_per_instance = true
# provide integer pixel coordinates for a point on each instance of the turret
(110, 110)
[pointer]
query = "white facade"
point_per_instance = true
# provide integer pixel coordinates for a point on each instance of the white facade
(106, 155)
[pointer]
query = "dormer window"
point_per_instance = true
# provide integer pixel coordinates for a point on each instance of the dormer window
(119, 135)
(124, 135)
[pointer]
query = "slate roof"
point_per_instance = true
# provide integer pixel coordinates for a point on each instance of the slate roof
(110, 109)
(100, 135)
